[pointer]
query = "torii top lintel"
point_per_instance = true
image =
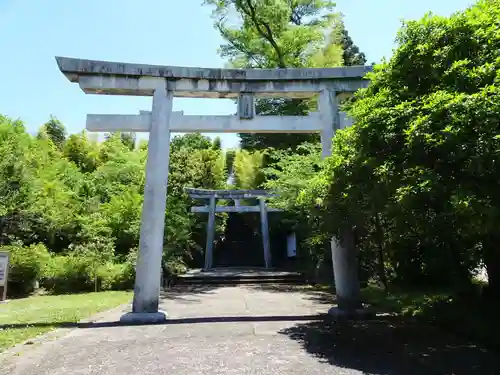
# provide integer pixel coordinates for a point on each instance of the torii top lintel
(117, 78)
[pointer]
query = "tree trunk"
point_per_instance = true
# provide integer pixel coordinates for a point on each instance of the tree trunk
(379, 238)
(491, 257)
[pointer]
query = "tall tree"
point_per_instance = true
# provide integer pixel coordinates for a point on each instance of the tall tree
(230, 155)
(82, 151)
(277, 34)
(351, 54)
(217, 143)
(193, 141)
(417, 170)
(128, 139)
(248, 171)
(55, 131)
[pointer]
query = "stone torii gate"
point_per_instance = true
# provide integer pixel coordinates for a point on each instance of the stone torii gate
(236, 196)
(162, 83)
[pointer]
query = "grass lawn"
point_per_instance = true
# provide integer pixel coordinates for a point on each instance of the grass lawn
(404, 302)
(51, 310)
(397, 300)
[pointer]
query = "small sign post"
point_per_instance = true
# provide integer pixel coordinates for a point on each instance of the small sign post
(291, 245)
(4, 274)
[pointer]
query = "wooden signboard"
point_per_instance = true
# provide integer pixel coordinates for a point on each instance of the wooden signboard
(4, 274)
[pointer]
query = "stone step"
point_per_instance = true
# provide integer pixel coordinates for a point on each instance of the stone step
(229, 281)
(228, 276)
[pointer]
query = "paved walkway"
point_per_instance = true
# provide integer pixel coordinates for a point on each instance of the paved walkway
(249, 330)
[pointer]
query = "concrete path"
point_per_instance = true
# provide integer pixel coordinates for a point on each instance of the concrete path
(249, 330)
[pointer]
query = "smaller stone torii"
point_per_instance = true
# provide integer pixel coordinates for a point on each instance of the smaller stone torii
(236, 196)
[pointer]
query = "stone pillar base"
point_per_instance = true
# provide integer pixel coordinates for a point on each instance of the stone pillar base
(337, 313)
(144, 318)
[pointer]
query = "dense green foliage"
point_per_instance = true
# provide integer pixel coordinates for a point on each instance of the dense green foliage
(416, 177)
(82, 201)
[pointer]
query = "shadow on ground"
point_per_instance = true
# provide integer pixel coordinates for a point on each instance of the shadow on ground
(188, 293)
(391, 345)
(311, 293)
(194, 320)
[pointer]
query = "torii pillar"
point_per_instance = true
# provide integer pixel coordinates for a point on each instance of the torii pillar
(344, 252)
(149, 260)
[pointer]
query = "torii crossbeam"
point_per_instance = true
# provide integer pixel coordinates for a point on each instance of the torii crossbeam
(181, 123)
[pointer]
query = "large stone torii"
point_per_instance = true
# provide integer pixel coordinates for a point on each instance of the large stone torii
(164, 83)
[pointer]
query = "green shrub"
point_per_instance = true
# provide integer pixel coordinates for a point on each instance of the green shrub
(174, 266)
(69, 273)
(26, 266)
(115, 276)
(75, 273)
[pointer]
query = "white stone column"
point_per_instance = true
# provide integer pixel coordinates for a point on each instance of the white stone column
(344, 253)
(148, 269)
(328, 108)
(265, 232)
(210, 234)
(345, 269)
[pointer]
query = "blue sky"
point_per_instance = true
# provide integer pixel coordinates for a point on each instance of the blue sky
(164, 32)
